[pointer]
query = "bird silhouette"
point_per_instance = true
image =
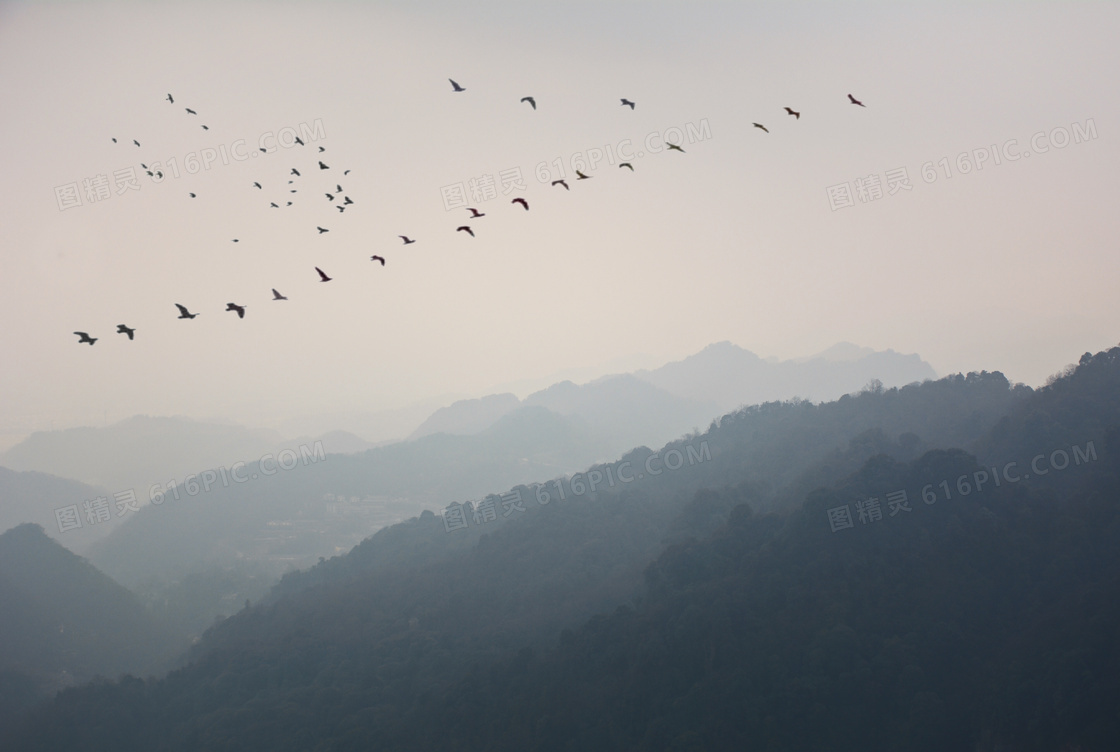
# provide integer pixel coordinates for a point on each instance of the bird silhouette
(337, 188)
(171, 99)
(273, 204)
(323, 166)
(378, 258)
(321, 148)
(674, 146)
(628, 102)
(191, 111)
(626, 164)
(295, 172)
(340, 209)
(114, 140)
(346, 172)
(530, 100)
(205, 127)
(83, 337)
(258, 185)
(581, 176)
(856, 101)
(475, 213)
(159, 174)
(465, 228)
(235, 240)
(322, 229)
(135, 142)
(276, 295)
(521, 201)
(234, 307)
(406, 239)
(346, 200)
(760, 125)
(455, 86)
(563, 183)
(122, 329)
(322, 276)
(300, 141)
(191, 195)
(329, 197)
(184, 313)
(796, 115)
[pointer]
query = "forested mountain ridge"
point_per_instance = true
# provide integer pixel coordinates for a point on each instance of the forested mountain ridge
(962, 623)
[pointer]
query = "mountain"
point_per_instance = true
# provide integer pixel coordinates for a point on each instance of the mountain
(731, 376)
(467, 416)
(33, 497)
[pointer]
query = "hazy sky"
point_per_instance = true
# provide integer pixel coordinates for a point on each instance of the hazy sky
(1010, 267)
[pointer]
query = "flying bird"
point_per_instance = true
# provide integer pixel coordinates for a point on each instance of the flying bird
(346, 172)
(122, 329)
(628, 102)
(258, 185)
(530, 100)
(760, 125)
(581, 176)
(674, 146)
(295, 172)
(83, 337)
(406, 239)
(159, 174)
(378, 258)
(322, 276)
(114, 140)
(321, 229)
(135, 142)
(205, 127)
(191, 195)
(337, 188)
(521, 201)
(856, 101)
(329, 196)
(234, 307)
(475, 213)
(346, 200)
(276, 295)
(321, 148)
(235, 240)
(796, 115)
(340, 209)
(184, 313)
(323, 166)
(274, 205)
(300, 141)
(455, 86)
(191, 111)
(626, 164)
(171, 99)
(563, 183)
(467, 229)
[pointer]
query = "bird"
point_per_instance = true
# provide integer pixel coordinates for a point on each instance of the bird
(530, 100)
(274, 205)
(83, 337)
(626, 164)
(796, 115)
(264, 150)
(295, 172)
(346, 172)
(122, 329)
(581, 176)
(455, 86)
(322, 276)
(114, 140)
(674, 146)
(205, 127)
(760, 125)
(406, 239)
(475, 213)
(235, 240)
(300, 141)
(323, 166)
(340, 209)
(258, 185)
(521, 201)
(856, 101)
(321, 229)
(346, 200)
(234, 307)
(276, 295)
(378, 258)
(628, 102)
(171, 99)
(145, 167)
(159, 174)
(467, 229)
(191, 195)
(321, 148)
(337, 188)
(191, 111)
(135, 142)
(563, 183)
(184, 313)
(329, 196)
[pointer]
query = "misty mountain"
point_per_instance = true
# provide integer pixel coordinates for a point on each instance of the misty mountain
(33, 497)
(731, 376)
(726, 621)
(63, 621)
(468, 416)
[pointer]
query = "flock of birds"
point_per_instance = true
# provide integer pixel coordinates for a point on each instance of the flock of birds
(184, 313)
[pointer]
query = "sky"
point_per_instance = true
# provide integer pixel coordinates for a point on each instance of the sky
(965, 213)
